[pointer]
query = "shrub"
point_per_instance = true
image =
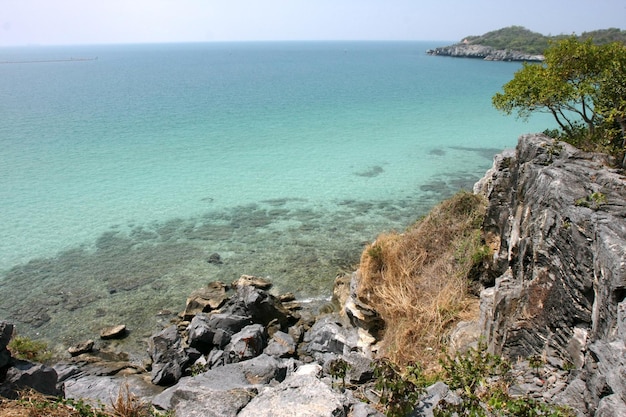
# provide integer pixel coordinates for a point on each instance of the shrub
(24, 348)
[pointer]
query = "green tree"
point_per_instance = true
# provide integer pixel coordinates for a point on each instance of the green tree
(582, 85)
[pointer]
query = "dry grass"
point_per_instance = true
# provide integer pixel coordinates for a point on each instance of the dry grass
(34, 404)
(418, 280)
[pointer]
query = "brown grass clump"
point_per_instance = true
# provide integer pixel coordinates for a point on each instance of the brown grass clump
(418, 280)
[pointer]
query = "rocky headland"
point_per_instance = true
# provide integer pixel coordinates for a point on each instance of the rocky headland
(553, 288)
(487, 53)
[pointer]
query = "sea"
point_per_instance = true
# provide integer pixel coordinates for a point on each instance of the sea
(132, 175)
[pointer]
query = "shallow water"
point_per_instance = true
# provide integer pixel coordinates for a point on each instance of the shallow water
(121, 177)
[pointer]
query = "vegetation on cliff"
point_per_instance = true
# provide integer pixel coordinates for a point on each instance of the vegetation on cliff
(519, 38)
(419, 280)
(583, 86)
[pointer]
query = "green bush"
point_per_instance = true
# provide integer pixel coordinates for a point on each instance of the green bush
(24, 348)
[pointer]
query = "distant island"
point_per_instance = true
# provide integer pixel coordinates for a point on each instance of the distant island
(516, 43)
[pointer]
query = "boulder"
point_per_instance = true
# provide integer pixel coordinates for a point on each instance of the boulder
(222, 391)
(205, 299)
(105, 389)
(329, 337)
(113, 332)
(6, 332)
(246, 344)
(298, 395)
(263, 307)
(281, 345)
(251, 281)
(215, 330)
(80, 348)
(23, 375)
(168, 356)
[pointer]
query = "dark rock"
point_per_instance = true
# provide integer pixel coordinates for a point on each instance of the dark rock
(207, 331)
(23, 375)
(168, 356)
(113, 332)
(263, 307)
(205, 299)
(6, 332)
(215, 259)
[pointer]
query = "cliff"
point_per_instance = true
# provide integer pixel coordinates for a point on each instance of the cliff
(556, 285)
(487, 53)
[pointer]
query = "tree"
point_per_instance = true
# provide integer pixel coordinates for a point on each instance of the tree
(582, 85)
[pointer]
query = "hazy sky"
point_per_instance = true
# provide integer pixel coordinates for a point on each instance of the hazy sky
(43, 22)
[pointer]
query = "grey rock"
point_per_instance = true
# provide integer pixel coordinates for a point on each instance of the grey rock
(360, 409)
(281, 345)
(246, 344)
(106, 389)
(611, 406)
(487, 53)
(222, 391)
(555, 287)
(22, 375)
(330, 335)
(298, 395)
(215, 330)
(168, 356)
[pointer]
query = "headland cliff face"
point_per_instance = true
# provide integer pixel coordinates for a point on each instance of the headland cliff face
(556, 285)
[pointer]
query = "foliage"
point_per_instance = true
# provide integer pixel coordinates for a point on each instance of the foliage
(481, 380)
(593, 201)
(28, 349)
(418, 280)
(399, 391)
(338, 368)
(582, 85)
(519, 38)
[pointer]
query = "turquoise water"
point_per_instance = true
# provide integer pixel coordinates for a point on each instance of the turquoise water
(120, 176)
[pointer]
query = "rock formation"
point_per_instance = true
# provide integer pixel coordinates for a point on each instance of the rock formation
(462, 50)
(556, 285)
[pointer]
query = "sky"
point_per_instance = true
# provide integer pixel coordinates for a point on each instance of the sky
(62, 22)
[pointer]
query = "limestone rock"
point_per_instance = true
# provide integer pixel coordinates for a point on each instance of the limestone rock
(80, 348)
(205, 299)
(252, 281)
(484, 52)
(298, 395)
(113, 332)
(557, 278)
(281, 345)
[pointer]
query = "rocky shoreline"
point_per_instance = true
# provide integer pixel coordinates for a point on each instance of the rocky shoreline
(487, 53)
(554, 289)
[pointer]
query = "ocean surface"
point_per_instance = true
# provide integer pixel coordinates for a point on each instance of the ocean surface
(132, 175)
